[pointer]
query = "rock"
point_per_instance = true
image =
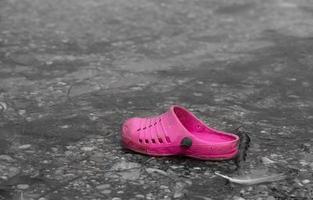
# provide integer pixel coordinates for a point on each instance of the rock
(267, 161)
(140, 196)
(154, 170)
(103, 186)
(12, 171)
(25, 146)
(131, 174)
(270, 198)
(6, 158)
(305, 181)
(163, 187)
(179, 190)
(149, 196)
(3, 106)
(124, 165)
(22, 186)
(106, 191)
(22, 112)
(87, 148)
(116, 198)
(238, 198)
(98, 157)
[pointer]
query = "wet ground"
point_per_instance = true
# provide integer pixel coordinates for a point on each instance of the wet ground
(72, 71)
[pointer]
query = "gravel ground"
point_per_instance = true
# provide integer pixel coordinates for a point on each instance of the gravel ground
(72, 71)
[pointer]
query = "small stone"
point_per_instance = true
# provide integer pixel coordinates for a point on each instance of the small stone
(179, 190)
(103, 186)
(42, 198)
(12, 171)
(263, 132)
(21, 112)
(303, 162)
(140, 196)
(123, 165)
(67, 153)
(197, 94)
(6, 158)
(267, 161)
(154, 170)
(149, 196)
(3, 106)
(131, 174)
(64, 126)
(22, 186)
(305, 181)
(116, 198)
(238, 198)
(106, 191)
(87, 148)
(270, 198)
(25, 146)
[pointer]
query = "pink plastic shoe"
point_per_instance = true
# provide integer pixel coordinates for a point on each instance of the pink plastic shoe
(178, 132)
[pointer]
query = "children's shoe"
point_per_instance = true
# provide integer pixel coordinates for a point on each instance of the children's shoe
(178, 132)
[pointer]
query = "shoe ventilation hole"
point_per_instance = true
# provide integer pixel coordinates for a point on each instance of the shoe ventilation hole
(160, 140)
(153, 141)
(140, 140)
(144, 128)
(147, 141)
(168, 139)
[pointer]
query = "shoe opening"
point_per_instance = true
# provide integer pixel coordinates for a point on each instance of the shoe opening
(199, 129)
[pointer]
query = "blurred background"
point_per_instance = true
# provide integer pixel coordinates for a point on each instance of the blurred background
(72, 71)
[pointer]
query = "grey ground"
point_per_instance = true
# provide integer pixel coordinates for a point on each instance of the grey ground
(72, 71)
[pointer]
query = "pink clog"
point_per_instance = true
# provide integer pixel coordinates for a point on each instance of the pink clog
(178, 132)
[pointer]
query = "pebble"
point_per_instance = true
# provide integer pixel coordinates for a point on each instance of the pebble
(22, 186)
(6, 158)
(25, 146)
(263, 131)
(140, 196)
(103, 186)
(3, 106)
(238, 198)
(87, 148)
(42, 198)
(153, 170)
(116, 198)
(124, 165)
(305, 181)
(267, 161)
(106, 191)
(179, 190)
(270, 198)
(130, 174)
(21, 112)
(163, 187)
(197, 94)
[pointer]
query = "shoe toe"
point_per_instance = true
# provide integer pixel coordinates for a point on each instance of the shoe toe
(130, 128)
